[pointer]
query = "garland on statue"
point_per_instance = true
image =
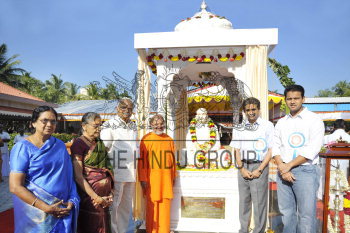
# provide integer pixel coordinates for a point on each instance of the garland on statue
(206, 146)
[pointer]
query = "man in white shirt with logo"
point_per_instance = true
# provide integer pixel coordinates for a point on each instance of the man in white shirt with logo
(120, 137)
(253, 146)
(297, 141)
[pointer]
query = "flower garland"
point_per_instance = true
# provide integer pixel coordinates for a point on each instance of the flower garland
(202, 84)
(206, 146)
(203, 58)
(346, 208)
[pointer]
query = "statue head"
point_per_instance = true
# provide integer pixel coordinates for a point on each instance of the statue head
(202, 115)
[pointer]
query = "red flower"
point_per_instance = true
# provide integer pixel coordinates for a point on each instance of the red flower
(215, 60)
(170, 56)
(160, 56)
(199, 59)
(234, 56)
(203, 56)
(219, 56)
(228, 55)
(179, 56)
(232, 59)
(242, 54)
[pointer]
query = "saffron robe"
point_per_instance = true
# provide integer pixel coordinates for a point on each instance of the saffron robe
(157, 167)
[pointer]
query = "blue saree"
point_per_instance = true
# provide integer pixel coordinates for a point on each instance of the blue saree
(49, 175)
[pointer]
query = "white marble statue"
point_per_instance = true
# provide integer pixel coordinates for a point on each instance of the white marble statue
(202, 136)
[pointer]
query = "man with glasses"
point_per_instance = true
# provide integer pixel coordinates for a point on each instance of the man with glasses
(253, 148)
(120, 137)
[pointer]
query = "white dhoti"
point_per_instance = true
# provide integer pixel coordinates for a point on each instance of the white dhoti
(122, 204)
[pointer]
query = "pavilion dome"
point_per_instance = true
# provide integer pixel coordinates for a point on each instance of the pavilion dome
(204, 20)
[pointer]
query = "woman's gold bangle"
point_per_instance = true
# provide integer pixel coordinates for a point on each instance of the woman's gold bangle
(36, 198)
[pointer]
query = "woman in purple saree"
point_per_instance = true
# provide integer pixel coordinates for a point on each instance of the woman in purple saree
(42, 180)
(93, 174)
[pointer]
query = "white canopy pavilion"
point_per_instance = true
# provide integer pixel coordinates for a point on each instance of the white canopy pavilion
(203, 49)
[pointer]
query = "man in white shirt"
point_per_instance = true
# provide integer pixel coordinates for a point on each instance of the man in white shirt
(20, 136)
(253, 146)
(339, 134)
(297, 141)
(5, 170)
(120, 137)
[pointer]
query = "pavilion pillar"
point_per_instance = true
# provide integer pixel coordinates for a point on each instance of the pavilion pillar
(256, 57)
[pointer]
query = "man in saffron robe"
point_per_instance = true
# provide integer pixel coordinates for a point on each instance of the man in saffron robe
(157, 171)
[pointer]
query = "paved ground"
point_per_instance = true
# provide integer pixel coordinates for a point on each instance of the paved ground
(6, 196)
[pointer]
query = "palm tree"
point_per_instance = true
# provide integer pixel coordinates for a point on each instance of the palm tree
(342, 88)
(55, 90)
(93, 91)
(113, 93)
(8, 71)
(71, 90)
(281, 71)
(32, 85)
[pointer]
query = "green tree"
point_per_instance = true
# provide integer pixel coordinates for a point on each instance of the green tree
(341, 89)
(9, 73)
(32, 85)
(124, 94)
(71, 90)
(110, 92)
(281, 71)
(93, 91)
(54, 89)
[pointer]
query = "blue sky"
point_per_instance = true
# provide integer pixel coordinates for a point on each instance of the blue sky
(86, 39)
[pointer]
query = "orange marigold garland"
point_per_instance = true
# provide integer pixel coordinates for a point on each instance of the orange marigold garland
(346, 209)
(206, 146)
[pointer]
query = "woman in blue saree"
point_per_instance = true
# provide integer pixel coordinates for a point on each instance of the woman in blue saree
(42, 180)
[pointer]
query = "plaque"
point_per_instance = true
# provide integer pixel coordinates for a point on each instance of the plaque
(203, 207)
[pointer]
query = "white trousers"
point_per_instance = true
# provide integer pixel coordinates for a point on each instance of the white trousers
(121, 207)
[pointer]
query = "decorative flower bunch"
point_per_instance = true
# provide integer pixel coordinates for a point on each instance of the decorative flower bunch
(200, 156)
(202, 84)
(346, 208)
(203, 58)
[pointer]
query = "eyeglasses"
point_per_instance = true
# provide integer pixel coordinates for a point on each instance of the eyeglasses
(45, 121)
(125, 108)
